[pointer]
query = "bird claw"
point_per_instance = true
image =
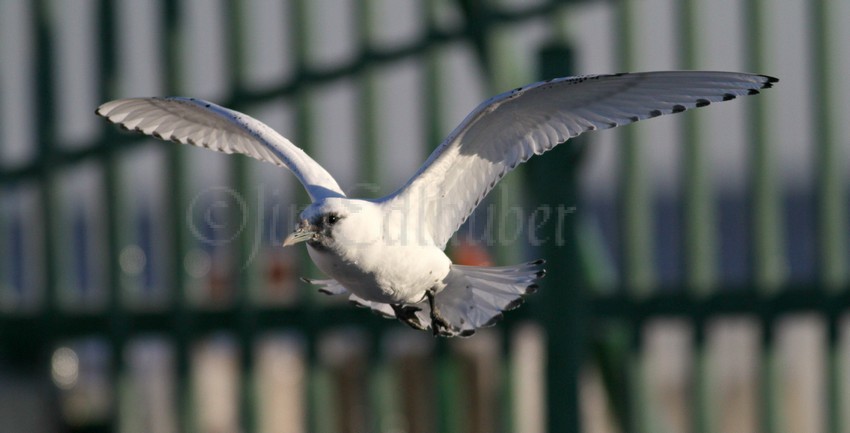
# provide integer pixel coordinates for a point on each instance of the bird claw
(440, 327)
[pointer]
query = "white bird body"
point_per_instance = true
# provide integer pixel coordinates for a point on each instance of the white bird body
(377, 262)
(387, 254)
(386, 274)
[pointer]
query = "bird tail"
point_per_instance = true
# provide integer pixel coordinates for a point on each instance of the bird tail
(476, 297)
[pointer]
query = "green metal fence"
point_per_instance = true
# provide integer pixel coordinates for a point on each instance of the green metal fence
(585, 322)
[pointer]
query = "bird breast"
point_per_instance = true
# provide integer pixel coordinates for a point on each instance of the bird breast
(393, 274)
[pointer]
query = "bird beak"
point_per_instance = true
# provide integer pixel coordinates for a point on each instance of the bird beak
(304, 232)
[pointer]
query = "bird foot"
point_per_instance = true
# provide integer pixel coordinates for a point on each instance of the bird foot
(407, 315)
(439, 325)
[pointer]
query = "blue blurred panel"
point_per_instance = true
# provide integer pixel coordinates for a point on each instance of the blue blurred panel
(16, 267)
(800, 234)
(80, 252)
(668, 229)
(735, 240)
(144, 228)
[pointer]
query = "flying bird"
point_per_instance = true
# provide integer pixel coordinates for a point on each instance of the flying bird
(387, 253)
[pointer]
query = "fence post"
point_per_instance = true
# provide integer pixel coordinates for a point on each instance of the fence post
(553, 184)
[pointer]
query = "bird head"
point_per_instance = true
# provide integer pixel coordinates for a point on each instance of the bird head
(328, 221)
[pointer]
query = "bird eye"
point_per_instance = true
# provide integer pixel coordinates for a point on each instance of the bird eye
(332, 219)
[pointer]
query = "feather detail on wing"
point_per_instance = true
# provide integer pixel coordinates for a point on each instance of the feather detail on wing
(508, 129)
(332, 287)
(204, 124)
(327, 287)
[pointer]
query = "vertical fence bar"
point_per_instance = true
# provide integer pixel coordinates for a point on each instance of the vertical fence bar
(830, 154)
(368, 149)
(769, 389)
(635, 200)
(831, 209)
(835, 369)
(768, 262)
(495, 49)
(370, 174)
(111, 196)
(700, 252)
(46, 142)
(700, 230)
(444, 368)
(452, 395)
(433, 77)
(175, 193)
(563, 289)
(45, 136)
(247, 215)
(507, 418)
(502, 73)
(765, 220)
(301, 32)
(304, 106)
(634, 207)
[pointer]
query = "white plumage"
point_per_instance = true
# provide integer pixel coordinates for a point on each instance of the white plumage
(388, 253)
(204, 124)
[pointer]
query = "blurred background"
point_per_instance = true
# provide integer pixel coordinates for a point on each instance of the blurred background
(698, 264)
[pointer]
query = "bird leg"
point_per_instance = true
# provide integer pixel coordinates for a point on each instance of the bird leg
(439, 325)
(407, 315)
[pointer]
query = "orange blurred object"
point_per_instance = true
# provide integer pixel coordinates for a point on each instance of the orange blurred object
(471, 253)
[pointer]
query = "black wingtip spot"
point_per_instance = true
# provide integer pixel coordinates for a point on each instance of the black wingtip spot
(729, 97)
(306, 280)
(678, 108)
(325, 292)
(752, 92)
(770, 79)
(703, 102)
(494, 320)
(540, 274)
(539, 262)
(654, 113)
(467, 333)
(634, 118)
(514, 304)
(531, 289)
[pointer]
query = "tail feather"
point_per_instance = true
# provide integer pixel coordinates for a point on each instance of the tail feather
(513, 269)
(475, 297)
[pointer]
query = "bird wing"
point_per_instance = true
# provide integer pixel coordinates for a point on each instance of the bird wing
(508, 129)
(201, 123)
